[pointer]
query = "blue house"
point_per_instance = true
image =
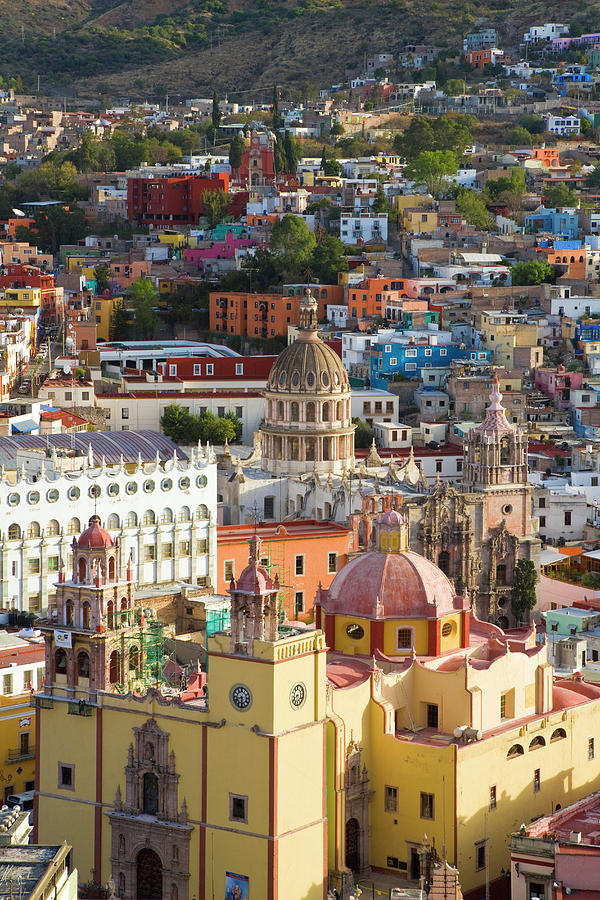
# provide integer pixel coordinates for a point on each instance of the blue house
(411, 359)
(555, 221)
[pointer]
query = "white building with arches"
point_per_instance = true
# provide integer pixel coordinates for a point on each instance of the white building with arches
(163, 512)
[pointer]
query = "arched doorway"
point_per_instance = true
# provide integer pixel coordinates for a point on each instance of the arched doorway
(149, 875)
(444, 562)
(353, 845)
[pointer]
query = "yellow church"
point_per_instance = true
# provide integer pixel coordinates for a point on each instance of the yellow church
(315, 755)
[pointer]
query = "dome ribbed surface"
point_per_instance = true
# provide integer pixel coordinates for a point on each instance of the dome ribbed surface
(308, 366)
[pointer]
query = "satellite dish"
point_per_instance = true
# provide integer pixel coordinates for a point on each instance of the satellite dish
(67, 370)
(18, 212)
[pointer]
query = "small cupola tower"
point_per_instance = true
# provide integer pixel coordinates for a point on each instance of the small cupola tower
(496, 450)
(254, 615)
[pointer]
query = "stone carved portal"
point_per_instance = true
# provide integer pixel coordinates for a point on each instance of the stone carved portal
(150, 836)
(358, 796)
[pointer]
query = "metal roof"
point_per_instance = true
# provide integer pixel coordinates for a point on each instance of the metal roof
(108, 444)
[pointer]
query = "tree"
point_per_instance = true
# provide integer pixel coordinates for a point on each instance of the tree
(455, 86)
(328, 260)
(177, 423)
(215, 205)
(557, 195)
(102, 277)
(277, 122)
(417, 138)
(533, 272)
(143, 297)
(292, 152)
(119, 322)
(533, 124)
(363, 433)
(471, 205)
(431, 169)
(330, 167)
(218, 430)
(380, 203)
(523, 596)
(518, 136)
(236, 152)
(292, 242)
(215, 114)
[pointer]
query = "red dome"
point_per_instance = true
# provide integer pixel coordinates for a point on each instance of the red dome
(95, 536)
(391, 586)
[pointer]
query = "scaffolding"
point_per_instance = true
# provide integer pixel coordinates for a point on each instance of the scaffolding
(218, 620)
(143, 658)
(275, 564)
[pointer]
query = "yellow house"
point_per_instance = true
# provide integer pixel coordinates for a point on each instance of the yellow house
(104, 305)
(15, 298)
(21, 672)
(503, 333)
(174, 240)
(419, 220)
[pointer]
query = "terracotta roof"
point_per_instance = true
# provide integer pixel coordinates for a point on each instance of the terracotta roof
(95, 536)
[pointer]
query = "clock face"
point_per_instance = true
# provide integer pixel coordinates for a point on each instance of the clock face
(297, 695)
(240, 696)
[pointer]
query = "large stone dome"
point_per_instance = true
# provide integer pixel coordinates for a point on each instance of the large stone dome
(380, 585)
(308, 366)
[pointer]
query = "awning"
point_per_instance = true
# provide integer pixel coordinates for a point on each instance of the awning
(25, 427)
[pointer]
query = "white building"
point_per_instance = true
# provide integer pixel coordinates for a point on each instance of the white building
(574, 307)
(364, 227)
(337, 315)
(392, 435)
(561, 509)
(374, 405)
(161, 504)
(562, 125)
(143, 410)
(356, 349)
(67, 392)
(545, 32)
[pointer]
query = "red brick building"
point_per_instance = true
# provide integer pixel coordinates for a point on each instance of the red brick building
(258, 161)
(22, 276)
(165, 202)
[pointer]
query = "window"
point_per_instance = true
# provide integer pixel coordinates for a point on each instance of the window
(27, 679)
(515, 750)
(404, 638)
(197, 369)
(269, 507)
(167, 551)
(228, 570)
(438, 465)
(66, 776)
(590, 748)
(239, 368)
(567, 517)
(125, 413)
(536, 890)
(149, 553)
(480, 856)
(432, 715)
(503, 714)
(390, 802)
(34, 567)
(427, 806)
(493, 801)
(536, 781)
(299, 601)
(542, 521)
(184, 548)
(202, 545)
(332, 562)
(238, 808)
(210, 368)
(299, 564)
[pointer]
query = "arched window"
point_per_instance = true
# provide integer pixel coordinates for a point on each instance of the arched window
(184, 514)
(537, 742)
(504, 451)
(150, 793)
(501, 574)
(111, 569)
(166, 516)
(110, 615)
(280, 410)
(444, 562)
(326, 448)
(309, 447)
(113, 522)
(134, 657)
(74, 526)
(114, 667)
(82, 568)
(14, 532)
(69, 612)
(131, 520)
(83, 665)
(515, 750)
(310, 411)
(325, 415)
(60, 662)
(86, 617)
(294, 412)
(34, 530)
(558, 734)
(202, 512)
(149, 517)
(339, 414)
(52, 528)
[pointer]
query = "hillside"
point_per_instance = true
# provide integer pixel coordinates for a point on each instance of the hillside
(141, 47)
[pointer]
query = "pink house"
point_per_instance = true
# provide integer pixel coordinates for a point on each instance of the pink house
(212, 250)
(558, 384)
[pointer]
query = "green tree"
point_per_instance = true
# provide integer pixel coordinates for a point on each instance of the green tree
(418, 138)
(523, 596)
(56, 225)
(591, 580)
(177, 423)
(215, 205)
(455, 86)
(215, 115)
(330, 167)
(102, 276)
(532, 272)
(12, 170)
(236, 152)
(518, 137)
(471, 205)
(292, 243)
(119, 329)
(328, 260)
(143, 297)
(217, 430)
(380, 203)
(292, 151)
(533, 124)
(557, 195)
(432, 169)
(363, 433)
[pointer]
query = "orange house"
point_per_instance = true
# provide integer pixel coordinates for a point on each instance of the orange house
(575, 260)
(303, 553)
(258, 315)
(479, 58)
(372, 296)
(550, 156)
